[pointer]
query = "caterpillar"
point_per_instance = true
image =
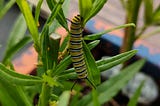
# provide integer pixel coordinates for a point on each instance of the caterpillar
(76, 49)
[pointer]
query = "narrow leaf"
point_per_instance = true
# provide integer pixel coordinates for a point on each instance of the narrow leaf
(25, 9)
(107, 63)
(16, 93)
(111, 87)
(7, 6)
(104, 64)
(156, 16)
(16, 78)
(64, 99)
(134, 99)
(37, 12)
(17, 33)
(98, 35)
(60, 15)
(85, 7)
(5, 97)
(95, 98)
(97, 6)
(93, 71)
(45, 48)
(14, 49)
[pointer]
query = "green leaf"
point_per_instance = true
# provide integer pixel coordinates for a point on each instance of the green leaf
(38, 10)
(5, 97)
(148, 11)
(7, 6)
(134, 99)
(15, 93)
(60, 15)
(107, 63)
(63, 65)
(14, 49)
(93, 71)
(64, 99)
(85, 7)
(51, 18)
(110, 88)
(17, 33)
(50, 48)
(104, 64)
(156, 16)
(44, 41)
(16, 38)
(27, 13)
(16, 78)
(98, 35)
(97, 6)
(95, 98)
(1, 4)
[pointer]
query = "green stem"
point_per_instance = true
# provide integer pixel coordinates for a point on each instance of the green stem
(45, 95)
(132, 16)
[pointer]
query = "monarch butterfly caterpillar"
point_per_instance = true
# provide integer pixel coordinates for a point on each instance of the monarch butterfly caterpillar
(76, 50)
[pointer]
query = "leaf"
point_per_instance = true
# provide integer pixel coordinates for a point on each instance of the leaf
(110, 88)
(64, 99)
(107, 63)
(98, 35)
(93, 71)
(97, 6)
(7, 6)
(5, 97)
(25, 9)
(104, 64)
(16, 38)
(18, 79)
(95, 98)
(85, 6)
(15, 93)
(156, 16)
(134, 99)
(14, 48)
(51, 18)
(18, 31)
(38, 10)
(148, 11)
(60, 15)
(44, 41)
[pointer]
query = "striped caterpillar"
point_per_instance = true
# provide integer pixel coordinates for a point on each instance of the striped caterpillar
(76, 48)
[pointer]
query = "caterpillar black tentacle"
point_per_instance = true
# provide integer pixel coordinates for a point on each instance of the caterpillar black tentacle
(76, 49)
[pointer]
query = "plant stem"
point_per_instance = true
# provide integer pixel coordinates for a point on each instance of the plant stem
(45, 95)
(132, 16)
(132, 7)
